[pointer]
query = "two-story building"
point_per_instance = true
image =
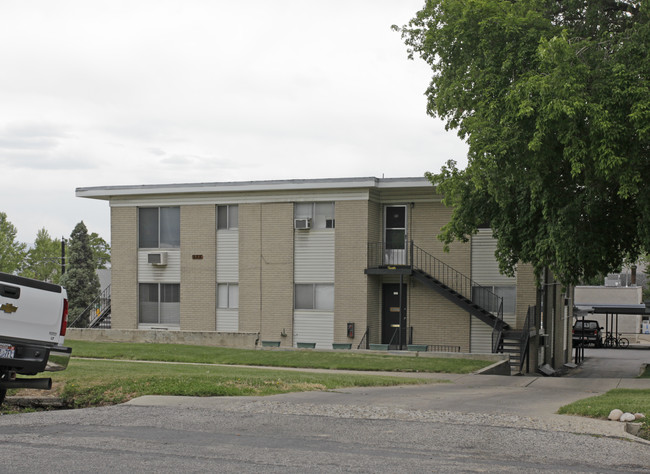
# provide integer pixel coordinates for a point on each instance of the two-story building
(325, 261)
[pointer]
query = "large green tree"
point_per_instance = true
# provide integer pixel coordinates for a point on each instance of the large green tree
(552, 97)
(101, 250)
(43, 260)
(80, 278)
(12, 252)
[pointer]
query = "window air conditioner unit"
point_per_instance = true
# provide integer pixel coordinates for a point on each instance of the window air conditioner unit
(302, 224)
(157, 258)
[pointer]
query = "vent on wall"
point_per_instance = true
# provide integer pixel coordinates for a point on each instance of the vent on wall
(157, 258)
(302, 224)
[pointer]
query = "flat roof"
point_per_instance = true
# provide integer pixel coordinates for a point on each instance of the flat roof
(108, 192)
(613, 308)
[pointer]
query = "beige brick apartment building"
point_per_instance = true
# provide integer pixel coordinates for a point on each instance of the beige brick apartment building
(323, 261)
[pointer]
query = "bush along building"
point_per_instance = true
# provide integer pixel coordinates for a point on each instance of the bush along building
(324, 263)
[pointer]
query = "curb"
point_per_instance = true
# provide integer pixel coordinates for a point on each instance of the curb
(35, 402)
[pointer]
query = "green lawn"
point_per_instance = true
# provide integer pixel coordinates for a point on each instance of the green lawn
(628, 400)
(105, 382)
(343, 360)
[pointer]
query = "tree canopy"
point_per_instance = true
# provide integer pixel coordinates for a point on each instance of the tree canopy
(552, 97)
(12, 252)
(43, 261)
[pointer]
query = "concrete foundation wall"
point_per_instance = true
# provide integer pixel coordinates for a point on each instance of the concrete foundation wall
(195, 338)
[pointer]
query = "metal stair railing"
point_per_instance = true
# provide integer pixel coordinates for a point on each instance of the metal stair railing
(95, 312)
(364, 339)
(452, 279)
(456, 281)
(529, 323)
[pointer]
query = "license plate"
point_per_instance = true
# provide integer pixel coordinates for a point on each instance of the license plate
(7, 351)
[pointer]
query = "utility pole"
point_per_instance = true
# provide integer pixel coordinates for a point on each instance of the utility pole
(63, 255)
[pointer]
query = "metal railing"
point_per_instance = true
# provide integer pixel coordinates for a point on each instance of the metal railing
(96, 314)
(529, 323)
(382, 256)
(364, 340)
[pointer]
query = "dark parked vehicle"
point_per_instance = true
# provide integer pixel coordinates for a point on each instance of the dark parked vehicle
(587, 332)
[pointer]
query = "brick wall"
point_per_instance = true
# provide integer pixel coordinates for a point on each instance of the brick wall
(435, 320)
(266, 270)
(198, 275)
(250, 251)
(526, 291)
(124, 268)
(373, 283)
(277, 272)
(350, 287)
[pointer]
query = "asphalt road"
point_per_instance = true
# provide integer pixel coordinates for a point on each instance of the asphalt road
(467, 423)
(158, 439)
(475, 423)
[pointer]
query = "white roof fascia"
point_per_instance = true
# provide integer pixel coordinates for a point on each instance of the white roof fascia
(111, 192)
(238, 198)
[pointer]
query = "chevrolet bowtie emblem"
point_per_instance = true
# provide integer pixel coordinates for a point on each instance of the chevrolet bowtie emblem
(8, 308)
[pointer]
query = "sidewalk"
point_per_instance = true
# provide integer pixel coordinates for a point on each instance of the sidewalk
(529, 402)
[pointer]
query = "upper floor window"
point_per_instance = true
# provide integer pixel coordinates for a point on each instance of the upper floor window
(228, 217)
(159, 227)
(320, 213)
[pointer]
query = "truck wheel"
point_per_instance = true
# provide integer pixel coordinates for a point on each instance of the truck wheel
(3, 391)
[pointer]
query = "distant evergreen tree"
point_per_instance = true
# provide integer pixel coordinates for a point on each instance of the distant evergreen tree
(80, 279)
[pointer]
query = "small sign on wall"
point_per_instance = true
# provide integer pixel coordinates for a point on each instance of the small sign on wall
(197, 257)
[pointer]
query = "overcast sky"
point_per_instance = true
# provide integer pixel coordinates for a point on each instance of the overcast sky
(99, 93)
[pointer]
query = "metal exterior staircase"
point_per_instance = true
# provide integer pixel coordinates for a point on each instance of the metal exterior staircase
(97, 314)
(477, 300)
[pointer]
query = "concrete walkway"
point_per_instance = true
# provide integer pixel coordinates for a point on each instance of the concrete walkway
(526, 401)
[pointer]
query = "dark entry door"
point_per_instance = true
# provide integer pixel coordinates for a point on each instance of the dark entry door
(393, 320)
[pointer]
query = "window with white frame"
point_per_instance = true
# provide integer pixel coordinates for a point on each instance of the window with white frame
(316, 296)
(227, 295)
(159, 303)
(320, 213)
(159, 227)
(228, 217)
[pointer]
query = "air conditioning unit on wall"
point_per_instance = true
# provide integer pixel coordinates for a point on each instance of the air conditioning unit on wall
(302, 224)
(157, 259)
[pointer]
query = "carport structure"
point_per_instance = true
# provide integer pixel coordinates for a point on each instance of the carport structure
(612, 313)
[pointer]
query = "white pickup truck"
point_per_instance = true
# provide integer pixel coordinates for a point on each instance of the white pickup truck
(33, 321)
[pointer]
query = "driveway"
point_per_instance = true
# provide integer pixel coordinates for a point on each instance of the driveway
(613, 363)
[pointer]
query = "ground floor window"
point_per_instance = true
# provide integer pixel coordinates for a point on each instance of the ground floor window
(319, 296)
(160, 303)
(228, 295)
